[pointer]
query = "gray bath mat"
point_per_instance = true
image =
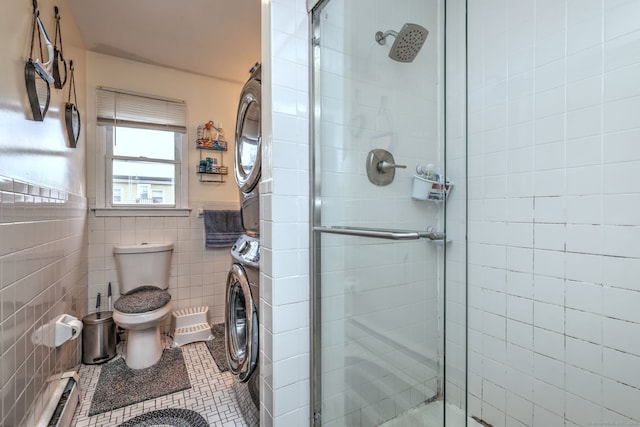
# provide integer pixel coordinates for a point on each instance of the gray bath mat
(216, 347)
(120, 386)
(167, 417)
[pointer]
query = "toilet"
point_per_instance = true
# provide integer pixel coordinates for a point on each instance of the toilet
(144, 303)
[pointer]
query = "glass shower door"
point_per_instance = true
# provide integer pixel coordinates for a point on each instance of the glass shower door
(378, 225)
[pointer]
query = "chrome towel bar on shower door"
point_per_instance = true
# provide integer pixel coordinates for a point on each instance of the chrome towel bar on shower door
(382, 233)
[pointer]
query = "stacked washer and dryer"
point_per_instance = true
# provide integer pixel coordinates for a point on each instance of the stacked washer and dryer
(242, 311)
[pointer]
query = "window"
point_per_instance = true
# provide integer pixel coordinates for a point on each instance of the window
(157, 196)
(142, 144)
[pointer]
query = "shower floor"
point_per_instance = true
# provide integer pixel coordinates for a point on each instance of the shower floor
(431, 416)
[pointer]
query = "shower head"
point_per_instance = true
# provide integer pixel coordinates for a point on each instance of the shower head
(407, 44)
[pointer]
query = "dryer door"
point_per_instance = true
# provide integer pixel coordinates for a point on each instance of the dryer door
(241, 325)
(248, 137)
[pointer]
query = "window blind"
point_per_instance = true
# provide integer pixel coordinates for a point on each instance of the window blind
(116, 108)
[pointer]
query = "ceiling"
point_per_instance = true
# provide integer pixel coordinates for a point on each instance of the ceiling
(216, 38)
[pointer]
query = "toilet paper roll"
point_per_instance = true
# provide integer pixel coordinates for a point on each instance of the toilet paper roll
(67, 328)
(57, 331)
(76, 328)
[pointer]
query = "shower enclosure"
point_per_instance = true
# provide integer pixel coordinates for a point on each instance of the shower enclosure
(388, 251)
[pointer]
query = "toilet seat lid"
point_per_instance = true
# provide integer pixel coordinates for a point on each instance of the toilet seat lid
(142, 300)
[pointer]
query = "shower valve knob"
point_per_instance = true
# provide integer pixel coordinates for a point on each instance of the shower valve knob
(385, 166)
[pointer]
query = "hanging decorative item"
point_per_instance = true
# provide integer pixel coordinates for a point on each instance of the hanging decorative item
(59, 64)
(71, 113)
(209, 135)
(37, 73)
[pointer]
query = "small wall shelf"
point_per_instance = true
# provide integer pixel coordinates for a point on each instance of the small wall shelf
(207, 170)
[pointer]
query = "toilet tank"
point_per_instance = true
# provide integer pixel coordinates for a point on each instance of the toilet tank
(144, 264)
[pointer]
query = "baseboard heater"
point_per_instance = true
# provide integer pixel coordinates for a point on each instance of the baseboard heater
(63, 402)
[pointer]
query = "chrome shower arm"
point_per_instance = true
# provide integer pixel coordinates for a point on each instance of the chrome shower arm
(381, 37)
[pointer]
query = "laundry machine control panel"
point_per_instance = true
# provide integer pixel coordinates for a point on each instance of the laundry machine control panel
(246, 250)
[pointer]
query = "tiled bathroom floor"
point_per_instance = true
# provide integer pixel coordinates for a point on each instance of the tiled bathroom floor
(211, 394)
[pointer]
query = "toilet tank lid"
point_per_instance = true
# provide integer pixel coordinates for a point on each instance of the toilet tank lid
(143, 248)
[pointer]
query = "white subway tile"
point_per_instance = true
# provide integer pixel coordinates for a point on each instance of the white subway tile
(584, 64)
(520, 111)
(549, 156)
(550, 46)
(548, 370)
(584, 384)
(550, 183)
(520, 259)
(622, 51)
(550, 129)
(520, 409)
(548, 343)
(581, 411)
(584, 296)
(550, 75)
(549, 263)
(620, 115)
(621, 241)
(520, 309)
(621, 304)
(520, 383)
(621, 398)
(584, 238)
(619, 18)
(549, 289)
(550, 398)
(584, 354)
(583, 325)
(616, 333)
(545, 417)
(584, 122)
(584, 267)
(519, 358)
(549, 236)
(621, 209)
(622, 83)
(622, 272)
(621, 367)
(584, 34)
(549, 316)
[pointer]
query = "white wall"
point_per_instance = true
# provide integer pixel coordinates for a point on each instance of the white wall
(553, 202)
(284, 263)
(43, 262)
(198, 275)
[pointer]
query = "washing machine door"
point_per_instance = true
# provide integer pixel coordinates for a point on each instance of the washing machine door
(241, 325)
(248, 137)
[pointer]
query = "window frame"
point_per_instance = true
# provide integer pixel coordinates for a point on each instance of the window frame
(104, 205)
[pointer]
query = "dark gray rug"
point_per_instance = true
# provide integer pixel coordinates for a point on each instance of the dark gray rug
(120, 386)
(167, 417)
(216, 347)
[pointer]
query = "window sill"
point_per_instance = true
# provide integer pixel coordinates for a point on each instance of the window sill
(142, 211)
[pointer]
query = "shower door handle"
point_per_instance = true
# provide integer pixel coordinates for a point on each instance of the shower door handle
(382, 233)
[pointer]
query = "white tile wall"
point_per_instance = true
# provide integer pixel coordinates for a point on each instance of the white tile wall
(568, 72)
(198, 274)
(284, 334)
(43, 274)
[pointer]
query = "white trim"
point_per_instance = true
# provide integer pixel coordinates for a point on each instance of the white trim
(141, 212)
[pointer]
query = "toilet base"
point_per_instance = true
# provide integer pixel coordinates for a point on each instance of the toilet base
(143, 348)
